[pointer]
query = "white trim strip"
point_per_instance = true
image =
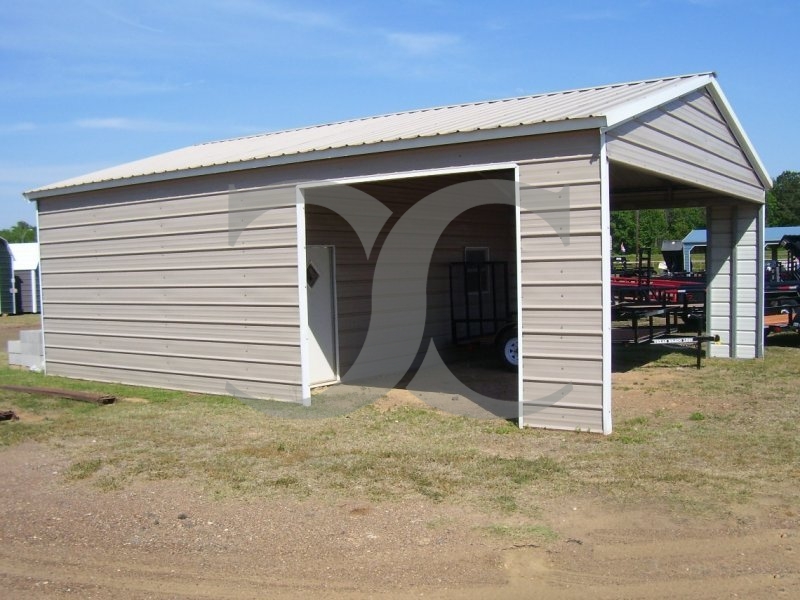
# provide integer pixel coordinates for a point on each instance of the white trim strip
(605, 266)
(630, 110)
(725, 108)
(41, 297)
(760, 281)
(520, 330)
(302, 293)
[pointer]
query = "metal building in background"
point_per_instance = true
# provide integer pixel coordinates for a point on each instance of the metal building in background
(7, 289)
(26, 277)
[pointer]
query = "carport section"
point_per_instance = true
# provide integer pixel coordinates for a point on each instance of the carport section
(491, 226)
(691, 151)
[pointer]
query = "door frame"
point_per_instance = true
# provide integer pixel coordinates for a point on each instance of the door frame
(300, 214)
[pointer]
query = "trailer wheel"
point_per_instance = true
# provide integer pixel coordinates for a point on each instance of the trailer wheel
(508, 349)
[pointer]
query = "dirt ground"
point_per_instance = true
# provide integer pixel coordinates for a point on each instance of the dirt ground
(61, 538)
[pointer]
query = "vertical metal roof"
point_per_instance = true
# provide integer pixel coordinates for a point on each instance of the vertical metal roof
(583, 108)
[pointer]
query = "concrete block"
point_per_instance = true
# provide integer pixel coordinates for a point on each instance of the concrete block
(29, 348)
(31, 336)
(27, 352)
(28, 361)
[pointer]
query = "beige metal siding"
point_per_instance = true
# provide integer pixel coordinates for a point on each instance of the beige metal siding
(718, 273)
(746, 283)
(733, 256)
(196, 293)
(562, 309)
(687, 140)
(155, 262)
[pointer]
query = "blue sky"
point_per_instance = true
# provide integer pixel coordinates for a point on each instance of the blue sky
(86, 84)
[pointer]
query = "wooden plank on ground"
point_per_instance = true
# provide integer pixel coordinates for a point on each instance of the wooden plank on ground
(92, 397)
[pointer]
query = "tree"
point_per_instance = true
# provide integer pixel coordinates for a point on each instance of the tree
(682, 220)
(783, 200)
(655, 226)
(20, 233)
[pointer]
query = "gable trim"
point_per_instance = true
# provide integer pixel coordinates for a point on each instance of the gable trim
(738, 131)
(626, 113)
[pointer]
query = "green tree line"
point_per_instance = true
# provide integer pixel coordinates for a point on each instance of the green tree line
(654, 226)
(783, 200)
(20, 233)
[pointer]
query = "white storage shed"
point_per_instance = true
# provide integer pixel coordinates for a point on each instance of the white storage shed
(25, 261)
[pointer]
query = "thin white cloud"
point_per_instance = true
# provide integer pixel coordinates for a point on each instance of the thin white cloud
(83, 84)
(116, 16)
(129, 124)
(603, 14)
(422, 44)
(21, 127)
(317, 19)
(19, 177)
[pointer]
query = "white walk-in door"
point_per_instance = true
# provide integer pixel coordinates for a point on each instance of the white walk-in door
(321, 280)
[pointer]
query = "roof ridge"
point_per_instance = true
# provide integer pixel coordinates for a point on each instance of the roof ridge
(457, 105)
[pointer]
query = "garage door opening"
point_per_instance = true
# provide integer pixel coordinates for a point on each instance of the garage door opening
(464, 227)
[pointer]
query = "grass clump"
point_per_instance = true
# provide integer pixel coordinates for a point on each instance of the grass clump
(527, 534)
(84, 469)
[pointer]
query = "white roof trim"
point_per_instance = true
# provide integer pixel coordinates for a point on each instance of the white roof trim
(625, 112)
(738, 131)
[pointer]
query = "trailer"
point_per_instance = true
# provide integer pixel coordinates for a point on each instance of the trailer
(480, 308)
(786, 320)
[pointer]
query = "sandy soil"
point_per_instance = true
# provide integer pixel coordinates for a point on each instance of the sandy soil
(165, 540)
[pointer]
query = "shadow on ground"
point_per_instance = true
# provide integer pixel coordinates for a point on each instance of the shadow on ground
(626, 358)
(472, 383)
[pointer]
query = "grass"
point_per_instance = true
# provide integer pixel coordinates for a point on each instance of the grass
(732, 434)
(521, 535)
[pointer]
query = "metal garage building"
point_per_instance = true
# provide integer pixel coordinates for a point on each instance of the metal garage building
(7, 304)
(697, 238)
(225, 268)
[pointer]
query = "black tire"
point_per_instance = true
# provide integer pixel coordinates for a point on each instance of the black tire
(507, 345)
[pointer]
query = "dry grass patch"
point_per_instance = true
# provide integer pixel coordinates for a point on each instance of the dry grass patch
(700, 440)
